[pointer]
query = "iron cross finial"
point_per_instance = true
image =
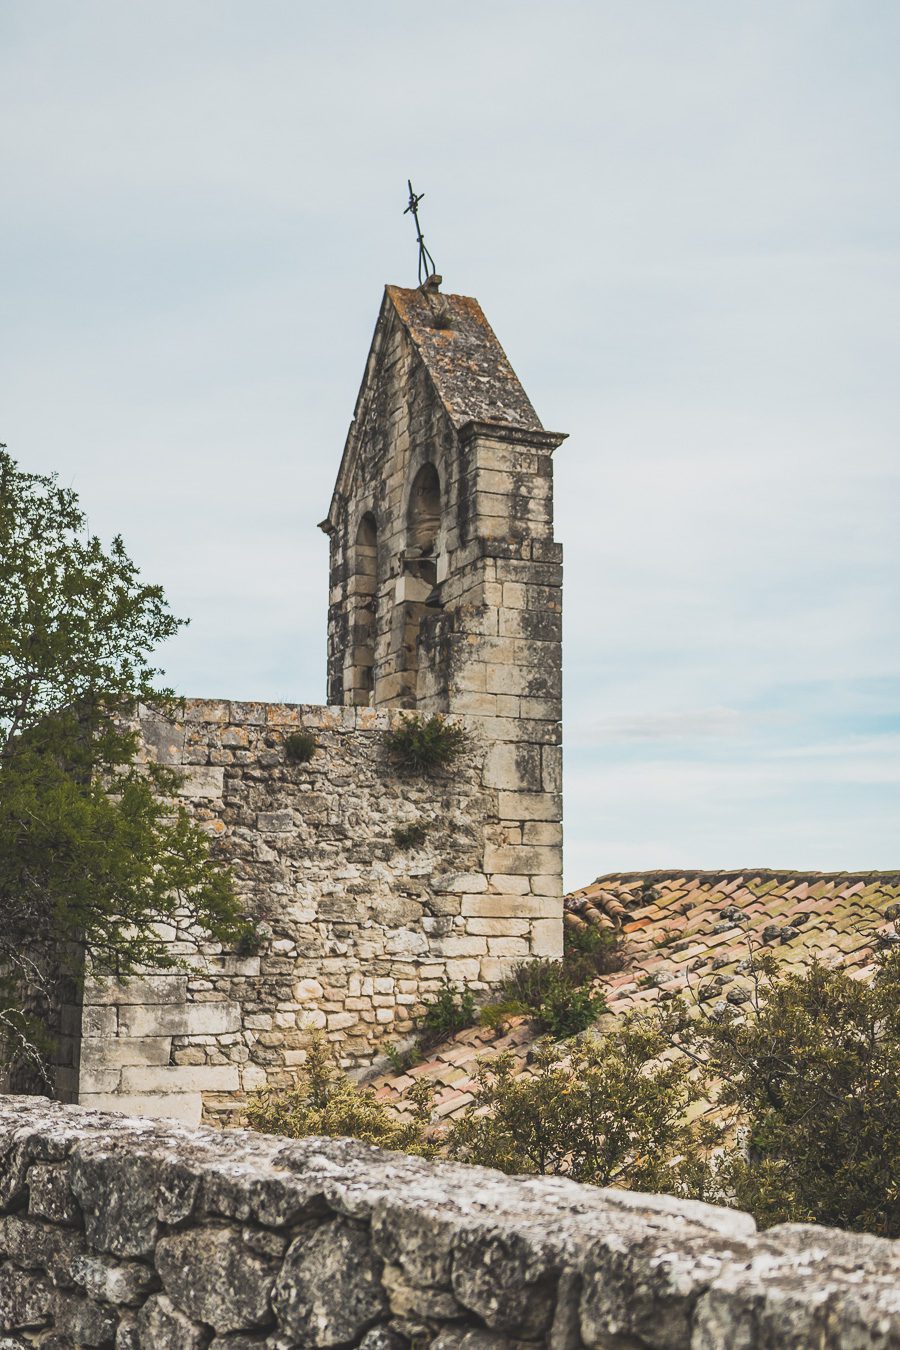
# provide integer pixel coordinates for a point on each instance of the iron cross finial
(426, 262)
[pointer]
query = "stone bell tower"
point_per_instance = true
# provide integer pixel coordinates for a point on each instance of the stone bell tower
(446, 581)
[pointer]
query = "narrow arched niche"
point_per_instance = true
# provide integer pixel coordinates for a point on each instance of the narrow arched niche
(360, 668)
(423, 512)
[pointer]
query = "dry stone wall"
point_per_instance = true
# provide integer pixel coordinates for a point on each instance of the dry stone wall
(142, 1235)
(356, 930)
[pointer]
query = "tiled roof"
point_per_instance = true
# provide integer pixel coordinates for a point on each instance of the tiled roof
(691, 930)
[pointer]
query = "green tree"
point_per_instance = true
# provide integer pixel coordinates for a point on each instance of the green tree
(812, 1069)
(602, 1109)
(93, 851)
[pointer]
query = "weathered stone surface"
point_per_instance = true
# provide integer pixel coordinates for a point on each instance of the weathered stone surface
(216, 1275)
(83, 1320)
(26, 1299)
(120, 1282)
(507, 1280)
(162, 1326)
(329, 1291)
(329, 1243)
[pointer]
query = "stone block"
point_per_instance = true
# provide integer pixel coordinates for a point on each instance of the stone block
(547, 937)
(207, 710)
(136, 989)
(186, 1107)
(508, 946)
(511, 906)
(551, 768)
(100, 1053)
(161, 740)
(509, 885)
(529, 806)
(99, 1021)
(463, 969)
(522, 859)
(49, 1196)
(275, 822)
(459, 946)
(542, 832)
(305, 991)
(139, 1080)
(464, 883)
(94, 1079)
(221, 1275)
(513, 768)
(248, 714)
(498, 927)
(202, 781)
(188, 1019)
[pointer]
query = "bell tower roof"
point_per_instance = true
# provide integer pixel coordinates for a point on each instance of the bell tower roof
(470, 370)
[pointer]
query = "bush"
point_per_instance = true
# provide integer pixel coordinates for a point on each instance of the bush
(552, 994)
(589, 951)
(423, 743)
(410, 836)
(299, 747)
(599, 1111)
(324, 1101)
(449, 1012)
(812, 1071)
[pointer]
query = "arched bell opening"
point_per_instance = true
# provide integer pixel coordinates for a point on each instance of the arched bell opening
(420, 593)
(359, 671)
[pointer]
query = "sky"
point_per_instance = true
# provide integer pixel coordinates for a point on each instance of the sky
(682, 221)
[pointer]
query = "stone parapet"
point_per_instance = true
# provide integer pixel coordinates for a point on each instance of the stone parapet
(155, 1236)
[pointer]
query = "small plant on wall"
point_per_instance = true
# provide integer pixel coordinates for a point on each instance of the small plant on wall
(423, 743)
(299, 747)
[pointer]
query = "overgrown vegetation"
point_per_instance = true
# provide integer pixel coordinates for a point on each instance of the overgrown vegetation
(324, 1101)
(451, 1010)
(299, 747)
(603, 1110)
(562, 998)
(804, 1079)
(94, 853)
(412, 835)
(811, 1072)
(420, 744)
(545, 991)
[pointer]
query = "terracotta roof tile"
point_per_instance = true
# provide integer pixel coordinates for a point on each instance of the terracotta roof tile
(837, 918)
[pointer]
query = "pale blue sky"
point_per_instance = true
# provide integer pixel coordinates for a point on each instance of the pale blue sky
(682, 221)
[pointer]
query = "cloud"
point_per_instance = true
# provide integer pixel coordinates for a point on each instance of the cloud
(688, 245)
(671, 726)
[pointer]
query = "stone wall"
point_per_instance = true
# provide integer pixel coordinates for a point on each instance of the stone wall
(356, 929)
(145, 1236)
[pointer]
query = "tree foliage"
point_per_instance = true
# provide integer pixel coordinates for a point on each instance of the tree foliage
(93, 852)
(603, 1110)
(812, 1073)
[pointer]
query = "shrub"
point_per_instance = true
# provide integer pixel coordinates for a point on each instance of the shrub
(600, 1111)
(411, 836)
(550, 993)
(423, 743)
(324, 1101)
(590, 951)
(449, 1012)
(812, 1069)
(299, 747)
